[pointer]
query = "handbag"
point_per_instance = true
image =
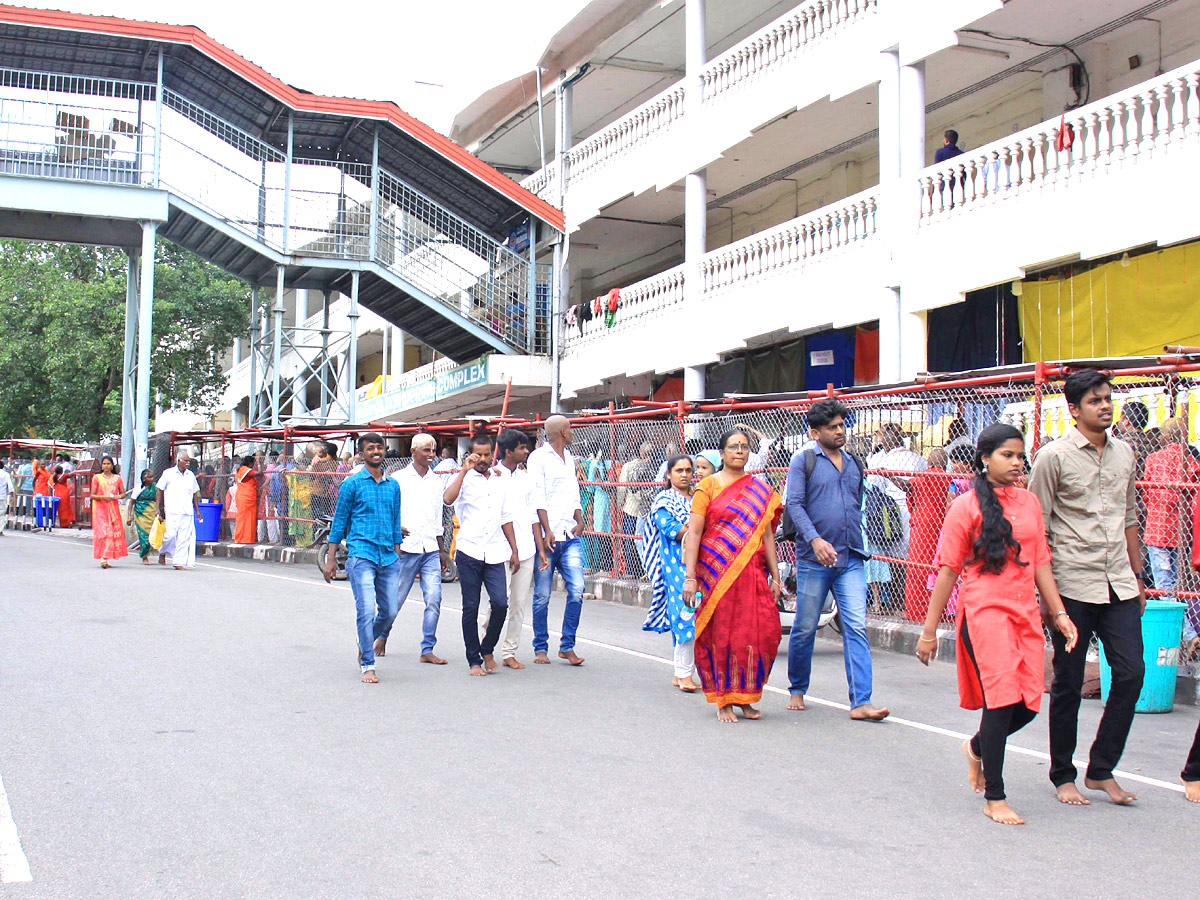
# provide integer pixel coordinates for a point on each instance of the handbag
(157, 532)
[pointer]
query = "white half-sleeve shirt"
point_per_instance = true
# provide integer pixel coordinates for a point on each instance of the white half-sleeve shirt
(421, 508)
(479, 508)
(178, 488)
(555, 489)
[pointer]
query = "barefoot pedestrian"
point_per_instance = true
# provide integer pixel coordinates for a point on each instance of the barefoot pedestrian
(367, 518)
(1190, 776)
(108, 534)
(730, 549)
(143, 511)
(477, 494)
(1087, 485)
(663, 531)
(824, 500)
(994, 539)
(178, 500)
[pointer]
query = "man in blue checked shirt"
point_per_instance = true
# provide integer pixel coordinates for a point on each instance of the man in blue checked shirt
(368, 518)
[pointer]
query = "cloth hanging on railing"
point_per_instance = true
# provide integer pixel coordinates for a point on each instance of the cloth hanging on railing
(610, 307)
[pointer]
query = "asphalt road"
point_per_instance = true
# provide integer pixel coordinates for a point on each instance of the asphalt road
(204, 734)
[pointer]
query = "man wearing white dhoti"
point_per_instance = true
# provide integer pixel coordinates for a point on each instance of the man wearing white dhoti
(178, 495)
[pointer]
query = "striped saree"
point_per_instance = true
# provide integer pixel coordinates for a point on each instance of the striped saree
(737, 623)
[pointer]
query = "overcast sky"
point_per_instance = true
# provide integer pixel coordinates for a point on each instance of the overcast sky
(432, 57)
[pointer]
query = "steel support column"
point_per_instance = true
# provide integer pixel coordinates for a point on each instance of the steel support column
(324, 368)
(373, 234)
(531, 291)
(255, 337)
(145, 343)
(129, 370)
(352, 353)
(287, 185)
(277, 346)
(158, 110)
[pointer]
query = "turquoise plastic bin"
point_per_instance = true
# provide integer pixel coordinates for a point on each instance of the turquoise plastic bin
(1162, 632)
(208, 521)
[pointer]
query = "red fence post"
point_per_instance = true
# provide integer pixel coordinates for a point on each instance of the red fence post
(1039, 380)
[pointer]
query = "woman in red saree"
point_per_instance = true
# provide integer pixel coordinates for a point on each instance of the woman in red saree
(108, 529)
(730, 548)
(245, 523)
(62, 490)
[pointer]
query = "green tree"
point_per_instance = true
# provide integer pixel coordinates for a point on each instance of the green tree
(62, 333)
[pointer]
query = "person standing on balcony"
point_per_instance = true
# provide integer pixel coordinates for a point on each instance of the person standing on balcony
(560, 516)
(824, 499)
(635, 501)
(368, 520)
(949, 148)
(995, 540)
(482, 548)
(178, 494)
(730, 549)
(421, 490)
(1087, 486)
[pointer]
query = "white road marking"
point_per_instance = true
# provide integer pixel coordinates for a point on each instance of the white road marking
(14, 867)
(833, 704)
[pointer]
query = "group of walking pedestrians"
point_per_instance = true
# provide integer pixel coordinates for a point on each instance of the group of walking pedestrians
(508, 517)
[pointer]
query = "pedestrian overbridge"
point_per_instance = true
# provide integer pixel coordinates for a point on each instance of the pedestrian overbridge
(118, 132)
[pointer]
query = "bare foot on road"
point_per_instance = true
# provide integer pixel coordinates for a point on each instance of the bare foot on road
(1069, 794)
(381, 646)
(511, 662)
(490, 664)
(433, 659)
(726, 716)
(540, 658)
(1191, 790)
(869, 713)
(1116, 793)
(749, 711)
(1000, 811)
(369, 677)
(974, 768)
(162, 559)
(478, 670)
(570, 656)
(796, 703)
(687, 685)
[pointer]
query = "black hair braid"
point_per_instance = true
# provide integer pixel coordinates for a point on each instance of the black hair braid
(995, 538)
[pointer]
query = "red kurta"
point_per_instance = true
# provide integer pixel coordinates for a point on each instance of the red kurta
(1001, 610)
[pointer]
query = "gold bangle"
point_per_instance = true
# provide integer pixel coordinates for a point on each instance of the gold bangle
(932, 640)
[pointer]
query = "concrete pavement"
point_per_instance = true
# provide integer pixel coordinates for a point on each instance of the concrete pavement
(203, 734)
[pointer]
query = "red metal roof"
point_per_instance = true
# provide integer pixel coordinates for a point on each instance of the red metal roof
(383, 110)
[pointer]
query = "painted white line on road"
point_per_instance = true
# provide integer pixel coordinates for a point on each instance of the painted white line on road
(833, 704)
(14, 867)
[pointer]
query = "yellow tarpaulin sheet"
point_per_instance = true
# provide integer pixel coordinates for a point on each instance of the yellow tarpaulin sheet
(1116, 309)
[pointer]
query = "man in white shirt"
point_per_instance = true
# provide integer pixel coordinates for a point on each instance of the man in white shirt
(6, 492)
(560, 514)
(421, 500)
(519, 517)
(483, 546)
(178, 495)
(894, 456)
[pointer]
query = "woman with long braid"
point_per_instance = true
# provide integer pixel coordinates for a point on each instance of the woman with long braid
(994, 539)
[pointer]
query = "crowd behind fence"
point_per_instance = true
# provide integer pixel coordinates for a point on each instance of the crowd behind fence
(917, 442)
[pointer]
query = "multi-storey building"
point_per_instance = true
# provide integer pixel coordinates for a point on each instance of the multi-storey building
(756, 181)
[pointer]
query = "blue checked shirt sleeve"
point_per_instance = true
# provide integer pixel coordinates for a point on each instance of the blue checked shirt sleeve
(397, 534)
(341, 514)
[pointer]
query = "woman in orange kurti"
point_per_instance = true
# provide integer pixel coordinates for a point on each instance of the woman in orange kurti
(730, 547)
(108, 530)
(995, 540)
(245, 523)
(62, 490)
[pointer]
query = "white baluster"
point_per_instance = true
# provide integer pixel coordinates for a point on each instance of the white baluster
(1191, 114)
(1178, 113)
(1120, 135)
(1146, 142)
(1103, 147)
(1162, 128)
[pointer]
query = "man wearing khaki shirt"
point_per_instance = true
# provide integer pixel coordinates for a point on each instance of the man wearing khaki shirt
(1086, 482)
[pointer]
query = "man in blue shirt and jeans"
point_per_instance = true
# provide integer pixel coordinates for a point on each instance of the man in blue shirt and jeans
(368, 518)
(824, 500)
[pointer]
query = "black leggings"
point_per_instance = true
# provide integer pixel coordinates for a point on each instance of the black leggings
(995, 725)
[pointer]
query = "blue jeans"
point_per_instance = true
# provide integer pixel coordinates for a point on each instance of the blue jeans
(849, 586)
(475, 574)
(1162, 565)
(375, 598)
(567, 558)
(430, 567)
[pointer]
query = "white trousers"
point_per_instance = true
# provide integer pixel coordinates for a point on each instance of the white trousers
(520, 592)
(272, 524)
(685, 659)
(179, 542)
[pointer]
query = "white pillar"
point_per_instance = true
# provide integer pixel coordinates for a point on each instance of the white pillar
(254, 339)
(237, 350)
(903, 340)
(694, 387)
(912, 123)
(560, 291)
(695, 42)
(695, 185)
(299, 386)
(145, 344)
(396, 369)
(129, 373)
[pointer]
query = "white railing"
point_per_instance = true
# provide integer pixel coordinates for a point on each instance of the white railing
(779, 43)
(1139, 123)
(791, 245)
(652, 296)
(650, 119)
(419, 374)
(543, 183)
